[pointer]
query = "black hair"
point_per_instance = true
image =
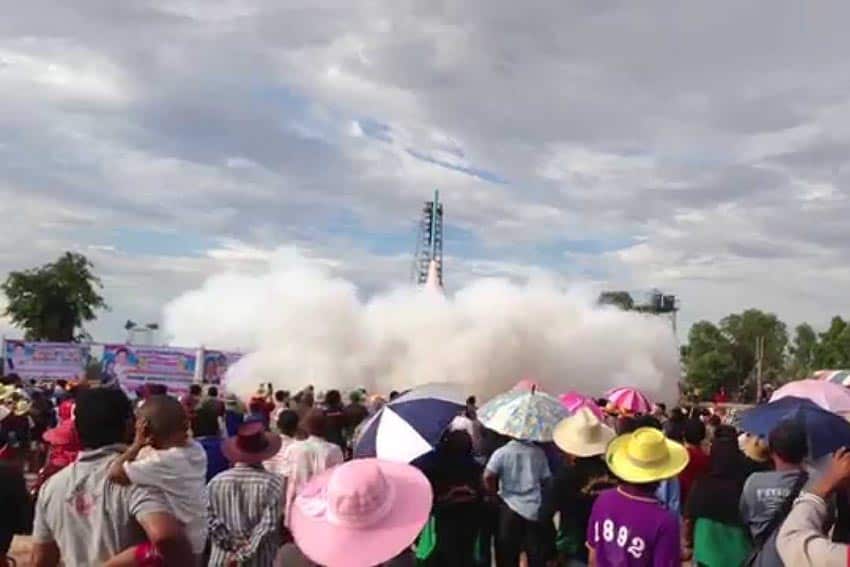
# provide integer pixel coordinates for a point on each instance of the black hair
(471, 400)
(196, 390)
(280, 396)
(677, 414)
(102, 417)
(62, 383)
(333, 398)
(212, 392)
(287, 422)
(205, 423)
(662, 406)
(394, 394)
(725, 431)
(694, 431)
(788, 442)
(647, 421)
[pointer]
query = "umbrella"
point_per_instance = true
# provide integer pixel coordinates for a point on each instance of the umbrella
(530, 415)
(828, 395)
(526, 385)
(840, 377)
(826, 431)
(629, 399)
(411, 425)
(573, 401)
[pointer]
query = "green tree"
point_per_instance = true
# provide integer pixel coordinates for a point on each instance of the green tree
(833, 348)
(52, 302)
(708, 359)
(803, 350)
(742, 330)
(621, 299)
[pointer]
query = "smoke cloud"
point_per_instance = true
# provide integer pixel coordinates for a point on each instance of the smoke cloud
(302, 325)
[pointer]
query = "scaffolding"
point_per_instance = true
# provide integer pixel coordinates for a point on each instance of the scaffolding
(429, 242)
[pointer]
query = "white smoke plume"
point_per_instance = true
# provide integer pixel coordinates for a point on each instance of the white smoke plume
(304, 326)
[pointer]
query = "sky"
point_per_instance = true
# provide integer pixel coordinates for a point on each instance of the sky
(695, 147)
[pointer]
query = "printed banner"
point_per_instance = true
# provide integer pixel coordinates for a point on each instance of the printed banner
(45, 361)
(216, 363)
(134, 366)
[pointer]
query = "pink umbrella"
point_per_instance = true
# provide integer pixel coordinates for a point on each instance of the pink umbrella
(828, 395)
(526, 385)
(629, 399)
(574, 401)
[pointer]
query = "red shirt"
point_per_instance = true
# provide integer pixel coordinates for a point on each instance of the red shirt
(698, 465)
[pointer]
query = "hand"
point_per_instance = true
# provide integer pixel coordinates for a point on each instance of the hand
(143, 432)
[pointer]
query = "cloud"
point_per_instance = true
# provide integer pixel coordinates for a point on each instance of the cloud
(708, 140)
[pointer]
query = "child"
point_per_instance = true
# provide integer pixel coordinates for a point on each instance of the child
(173, 463)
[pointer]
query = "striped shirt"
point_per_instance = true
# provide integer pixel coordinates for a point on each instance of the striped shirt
(244, 513)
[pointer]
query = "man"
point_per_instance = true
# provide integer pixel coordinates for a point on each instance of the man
(765, 493)
(212, 402)
(517, 472)
(81, 517)
(281, 403)
(335, 416)
(245, 501)
(803, 539)
(355, 412)
(310, 457)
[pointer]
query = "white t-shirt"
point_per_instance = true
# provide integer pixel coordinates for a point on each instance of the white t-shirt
(180, 473)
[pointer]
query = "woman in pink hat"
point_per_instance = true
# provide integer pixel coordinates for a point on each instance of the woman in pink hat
(360, 514)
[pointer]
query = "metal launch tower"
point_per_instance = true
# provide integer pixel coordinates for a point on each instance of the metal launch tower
(428, 260)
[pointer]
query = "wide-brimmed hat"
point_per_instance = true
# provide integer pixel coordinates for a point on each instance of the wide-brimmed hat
(755, 448)
(6, 391)
(583, 434)
(645, 455)
(62, 435)
(4, 412)
(360, 513)
(252, 444)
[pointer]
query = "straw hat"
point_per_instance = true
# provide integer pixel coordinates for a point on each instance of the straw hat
(582, 434)
(6, 392)
(754, 447)
(645, 456)
(252, 444)
(360, 513)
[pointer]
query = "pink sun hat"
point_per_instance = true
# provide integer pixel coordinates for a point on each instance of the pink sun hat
(361, 513)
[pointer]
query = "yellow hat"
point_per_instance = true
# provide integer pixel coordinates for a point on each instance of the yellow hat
(582, 434)
(645, 456)
(6, 392)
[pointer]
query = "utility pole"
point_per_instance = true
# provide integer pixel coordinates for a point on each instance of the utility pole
(759, 366)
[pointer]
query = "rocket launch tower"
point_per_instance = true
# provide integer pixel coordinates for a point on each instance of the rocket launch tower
(428, 261)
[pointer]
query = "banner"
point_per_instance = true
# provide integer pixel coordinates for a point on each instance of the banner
(134, 366)
(216, 363)
(45, 361)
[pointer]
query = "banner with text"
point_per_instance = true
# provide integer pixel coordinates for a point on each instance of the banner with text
(134, 366)
(45, 361)
(216, 363)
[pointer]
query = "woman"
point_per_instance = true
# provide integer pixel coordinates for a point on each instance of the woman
(713, 527)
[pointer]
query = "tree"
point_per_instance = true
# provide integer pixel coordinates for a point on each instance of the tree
(833, 348)
(621, 299)
(742, 330)
(709, 363)
(52, 302)
(802, 350)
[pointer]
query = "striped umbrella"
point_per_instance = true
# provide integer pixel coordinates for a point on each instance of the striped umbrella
(411, 425)
(529, 415)
(630, 400)
(841, 377)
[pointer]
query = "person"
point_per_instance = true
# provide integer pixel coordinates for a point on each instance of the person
(471, 410)
(212, 402)
(234, 414)
(245, 501)
(192, 400)
(765, 493)
(163, 455)
(697, 459)
(803, 539)
(674, 428)
(517, 472)
(287, 427)
(63, 446)
(207, 432)
(361, 513)
(281, 403)
(355, 413)
(335, 418)
(455, 478)
(16, 515)
(82, 517)
(583, 438)
(713, 526)
(628, 526)
(309, 457)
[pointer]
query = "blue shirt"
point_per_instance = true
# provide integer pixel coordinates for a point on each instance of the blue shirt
(522, 469)
(668, 493)
(216, 461)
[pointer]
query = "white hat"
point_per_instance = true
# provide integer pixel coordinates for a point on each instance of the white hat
(583, 434)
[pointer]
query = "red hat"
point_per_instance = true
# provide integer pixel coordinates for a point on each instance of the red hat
(252, 444)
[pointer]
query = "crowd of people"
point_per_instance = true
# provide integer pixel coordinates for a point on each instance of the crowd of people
(152, 479)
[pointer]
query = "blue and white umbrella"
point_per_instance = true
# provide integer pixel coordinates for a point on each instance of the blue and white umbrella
(411, 425)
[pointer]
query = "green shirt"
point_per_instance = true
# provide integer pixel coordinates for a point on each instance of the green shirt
(719, 545)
